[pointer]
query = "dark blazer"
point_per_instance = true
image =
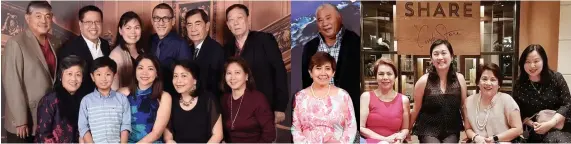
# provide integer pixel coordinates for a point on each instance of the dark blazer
(263, 55)
(347, 73)
(78, 47)
(211, 60)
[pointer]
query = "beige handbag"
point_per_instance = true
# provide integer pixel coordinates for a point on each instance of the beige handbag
(546, 115)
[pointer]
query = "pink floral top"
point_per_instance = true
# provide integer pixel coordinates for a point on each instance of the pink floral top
(321, 120)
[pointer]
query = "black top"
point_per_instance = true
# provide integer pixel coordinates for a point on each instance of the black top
(78, 47)
(195, 125)
(347, 75)
(263, 55)
(133, 60)
(553, 94)
(440, 114)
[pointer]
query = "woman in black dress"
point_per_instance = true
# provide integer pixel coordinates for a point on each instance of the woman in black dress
(195, 115)
(438, 98)
(539, 88)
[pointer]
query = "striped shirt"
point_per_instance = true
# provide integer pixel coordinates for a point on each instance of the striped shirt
(105, 116)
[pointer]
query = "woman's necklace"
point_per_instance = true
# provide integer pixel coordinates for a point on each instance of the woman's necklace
(313, 92)
(238, 111)
(185, 103)
(538, 91)
(482, 125)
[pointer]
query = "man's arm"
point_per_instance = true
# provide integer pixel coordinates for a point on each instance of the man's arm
(13, 83)
(274, 55)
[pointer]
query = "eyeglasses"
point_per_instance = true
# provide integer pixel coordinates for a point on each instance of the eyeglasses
(90, 23)
(162, 19)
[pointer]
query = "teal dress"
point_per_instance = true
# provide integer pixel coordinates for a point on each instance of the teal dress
(143, 114)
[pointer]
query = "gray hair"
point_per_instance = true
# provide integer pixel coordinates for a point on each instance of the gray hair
(322, 6)
(38, 5)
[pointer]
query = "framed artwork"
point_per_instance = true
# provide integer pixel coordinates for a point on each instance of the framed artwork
(281, 31)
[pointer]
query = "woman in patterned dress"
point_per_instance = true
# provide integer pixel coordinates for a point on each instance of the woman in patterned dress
(58, 110)
(439, 98)
(323, 113)
(539, 88)
(150, 105)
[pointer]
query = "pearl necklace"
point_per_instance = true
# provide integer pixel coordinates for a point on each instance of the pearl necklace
(482, 125)
(313, 92)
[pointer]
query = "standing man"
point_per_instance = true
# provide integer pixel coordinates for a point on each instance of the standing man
(28, 69)
(343, 44)
(166, 44)
(263, 55)
(88, 45)
(208, 53)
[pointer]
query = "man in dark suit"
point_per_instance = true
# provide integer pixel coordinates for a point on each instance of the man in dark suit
(208, 53)
(343, 44)
(29, 66)
(263, 55)
(88, 45)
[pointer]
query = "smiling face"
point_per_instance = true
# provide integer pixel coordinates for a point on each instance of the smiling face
(90, 25)
(183, 80)
(489, 83)
(328, 21)
(533, 64)
(39, 20)
(162, 21)
(441, 57)
(131, 31)
(237, 22)
(71, 78)
(146, 73)
(385, 77)
(236, 77)
(103, 77)
(322, 74)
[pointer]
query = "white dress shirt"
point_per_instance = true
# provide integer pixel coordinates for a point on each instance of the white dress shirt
(94, 49)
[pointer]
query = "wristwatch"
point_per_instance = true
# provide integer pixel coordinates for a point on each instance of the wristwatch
(496, 139)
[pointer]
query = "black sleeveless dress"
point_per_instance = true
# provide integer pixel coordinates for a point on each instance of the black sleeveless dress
(440, 114)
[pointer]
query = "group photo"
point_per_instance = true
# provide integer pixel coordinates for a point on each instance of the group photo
(350, 71)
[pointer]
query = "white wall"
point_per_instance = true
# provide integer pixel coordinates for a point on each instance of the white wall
(564, 62)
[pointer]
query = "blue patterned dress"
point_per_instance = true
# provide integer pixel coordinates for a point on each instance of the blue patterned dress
(143, 114)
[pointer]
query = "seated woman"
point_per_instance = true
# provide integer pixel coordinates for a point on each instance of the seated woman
(384, 112)
(195, 116)
(247, 112)
(150, 105)
(493, 116)
(323, 113)
(58, 110)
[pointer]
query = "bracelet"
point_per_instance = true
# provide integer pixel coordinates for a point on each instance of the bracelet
(474, 137)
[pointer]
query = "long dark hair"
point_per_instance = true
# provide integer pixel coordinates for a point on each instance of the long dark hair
(432, 73)
(194, 70)
(68, 103)
(119, 41)
(157, 86)
(545, 71)
(250, 84)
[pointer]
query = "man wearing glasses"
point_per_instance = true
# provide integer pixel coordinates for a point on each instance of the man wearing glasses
(88, 45)
(166, 44)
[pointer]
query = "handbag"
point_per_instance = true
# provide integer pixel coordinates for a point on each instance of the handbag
(542, 116)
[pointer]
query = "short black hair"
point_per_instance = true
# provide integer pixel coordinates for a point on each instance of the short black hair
(240, 6)
(163, 6)
(202, 13)
(89, 8)
(194, 70)
(70, 61)
(104, 61)
(38, 4)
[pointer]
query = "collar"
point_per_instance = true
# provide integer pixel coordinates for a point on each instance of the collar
(338, 37)
(98, 94)
(90, 43)
(199, 45)
(172, 34)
